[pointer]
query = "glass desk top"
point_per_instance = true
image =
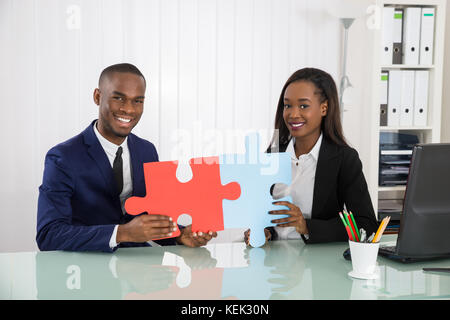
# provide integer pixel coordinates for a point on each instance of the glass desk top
(280, 270)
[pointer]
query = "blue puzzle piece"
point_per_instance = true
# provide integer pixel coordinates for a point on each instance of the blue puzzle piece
(256, 172)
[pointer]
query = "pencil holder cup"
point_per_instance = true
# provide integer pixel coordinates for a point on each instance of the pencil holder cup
(364, 259)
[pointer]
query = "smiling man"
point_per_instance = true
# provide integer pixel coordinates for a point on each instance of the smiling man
(88, 178)
(118, 113)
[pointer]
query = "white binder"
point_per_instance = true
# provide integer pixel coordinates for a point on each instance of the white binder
(384, 87)
(397, 55)
(394, 98)
(427, 36)
(421, 98)
(387, 36)
(384, 97)
(411, 35)
(407, 98)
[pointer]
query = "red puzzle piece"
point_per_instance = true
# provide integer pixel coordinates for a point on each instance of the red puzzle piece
(201, 197)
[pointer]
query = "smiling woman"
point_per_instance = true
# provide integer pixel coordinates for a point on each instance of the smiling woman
(314, 93)
(326, 173)
(304, 108)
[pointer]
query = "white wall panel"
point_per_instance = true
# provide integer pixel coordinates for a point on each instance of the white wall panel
(188, 77)
(147, 51)
(169, 40)
(207, 63)
(279, 64)
(243, 64)
(225, 94)
(18, 92)
(263, 111)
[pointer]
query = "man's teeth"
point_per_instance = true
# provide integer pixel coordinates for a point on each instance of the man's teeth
(124, 120)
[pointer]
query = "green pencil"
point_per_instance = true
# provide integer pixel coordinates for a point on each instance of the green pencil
(349, 225)
(354, 223)
(342, 218)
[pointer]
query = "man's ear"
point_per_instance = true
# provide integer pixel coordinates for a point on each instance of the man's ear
(96, 96)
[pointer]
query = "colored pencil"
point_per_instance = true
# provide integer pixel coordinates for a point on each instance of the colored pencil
(384, 228)
(348, 223)
(354, 223)
(342, 218)
(352, 226)
(349, 232)
(347, 228)
(380, 230)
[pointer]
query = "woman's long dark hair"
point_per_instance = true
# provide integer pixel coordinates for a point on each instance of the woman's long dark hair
(331, 123)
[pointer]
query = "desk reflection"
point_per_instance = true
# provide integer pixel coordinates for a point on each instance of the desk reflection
(129, 273)
(278, 270)
(220, 271)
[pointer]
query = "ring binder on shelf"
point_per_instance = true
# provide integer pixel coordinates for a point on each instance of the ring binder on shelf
(421, 98)
(407, 94)
(411, 36)
(394, 98)
(387, 35)
(397, 56)
(427, 36)
(384, 97)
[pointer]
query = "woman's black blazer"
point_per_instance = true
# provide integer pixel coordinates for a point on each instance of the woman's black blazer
(339, 180)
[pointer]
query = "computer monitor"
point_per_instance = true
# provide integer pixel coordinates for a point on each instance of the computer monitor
(425, 222)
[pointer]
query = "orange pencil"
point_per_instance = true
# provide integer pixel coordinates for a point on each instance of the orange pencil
(381, 229)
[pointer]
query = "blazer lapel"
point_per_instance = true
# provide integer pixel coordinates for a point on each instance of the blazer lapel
(99, 156)
(326, 172)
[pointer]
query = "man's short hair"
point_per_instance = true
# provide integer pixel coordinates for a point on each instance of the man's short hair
(120, 67)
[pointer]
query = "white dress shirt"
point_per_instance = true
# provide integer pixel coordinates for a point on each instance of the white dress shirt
(110, 150)
(302, 186)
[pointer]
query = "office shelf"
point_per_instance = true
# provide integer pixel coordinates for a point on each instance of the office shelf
(431, 133)
(406, 67)
(405, 128)
(391, 188)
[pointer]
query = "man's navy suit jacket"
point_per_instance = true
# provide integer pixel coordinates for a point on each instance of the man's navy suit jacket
(79, 205)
